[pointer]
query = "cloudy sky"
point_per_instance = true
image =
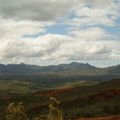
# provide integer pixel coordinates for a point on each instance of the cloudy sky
(45, 32)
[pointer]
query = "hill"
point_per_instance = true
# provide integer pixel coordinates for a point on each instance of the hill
(77, 101)
(88, 101)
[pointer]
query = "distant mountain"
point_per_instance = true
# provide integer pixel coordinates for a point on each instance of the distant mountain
(24, 68)
(74, 69)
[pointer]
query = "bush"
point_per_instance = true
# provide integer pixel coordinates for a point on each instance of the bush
(55, 113)
(18, 112)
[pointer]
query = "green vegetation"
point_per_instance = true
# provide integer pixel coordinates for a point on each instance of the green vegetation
(26, 86)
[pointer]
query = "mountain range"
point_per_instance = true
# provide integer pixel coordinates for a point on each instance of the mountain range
(73, 70)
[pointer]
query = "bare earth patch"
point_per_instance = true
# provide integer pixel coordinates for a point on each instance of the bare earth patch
(117, 117)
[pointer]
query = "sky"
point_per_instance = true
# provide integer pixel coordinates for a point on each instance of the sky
(45, 32)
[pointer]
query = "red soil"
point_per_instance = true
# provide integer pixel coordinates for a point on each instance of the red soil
(55, 92)
(106, 95)
(117, 117)
(103, 96)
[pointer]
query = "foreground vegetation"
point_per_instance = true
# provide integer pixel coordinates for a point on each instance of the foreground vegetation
(18, 112)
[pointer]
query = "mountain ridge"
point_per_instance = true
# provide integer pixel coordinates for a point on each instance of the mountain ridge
(55, 68)
(73, 71)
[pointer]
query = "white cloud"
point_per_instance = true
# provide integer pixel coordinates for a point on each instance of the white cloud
(25, 17)
(55, 48)
(11, 28)
(90, 34)
(96, 12)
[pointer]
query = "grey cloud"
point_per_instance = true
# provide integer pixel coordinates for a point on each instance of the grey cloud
(42, 10)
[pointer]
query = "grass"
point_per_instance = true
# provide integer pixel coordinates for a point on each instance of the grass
(25, 86)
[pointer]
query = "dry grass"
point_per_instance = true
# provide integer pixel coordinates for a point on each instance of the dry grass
(17, 112)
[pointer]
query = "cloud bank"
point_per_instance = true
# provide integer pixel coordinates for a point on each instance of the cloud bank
(92, 32)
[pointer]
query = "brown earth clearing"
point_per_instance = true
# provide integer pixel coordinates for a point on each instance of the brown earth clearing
(116, 117)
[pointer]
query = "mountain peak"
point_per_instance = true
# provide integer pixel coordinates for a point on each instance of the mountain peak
(81, 65)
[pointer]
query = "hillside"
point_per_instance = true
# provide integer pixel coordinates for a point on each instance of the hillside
(88, 101)
(77, 100)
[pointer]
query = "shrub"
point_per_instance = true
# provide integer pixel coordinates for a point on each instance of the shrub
(16, 112)
(55, 113)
